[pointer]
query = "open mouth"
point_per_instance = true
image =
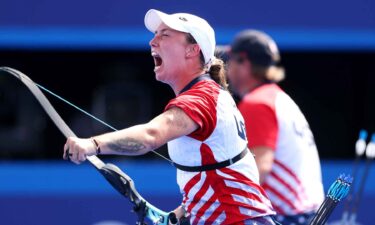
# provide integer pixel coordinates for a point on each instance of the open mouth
(157, 59)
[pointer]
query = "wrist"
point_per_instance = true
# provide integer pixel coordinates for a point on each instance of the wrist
(185, 212)
(96, 144)
(181, 211)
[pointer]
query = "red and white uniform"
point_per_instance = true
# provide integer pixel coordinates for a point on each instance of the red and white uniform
(224, 196)
(274, 120)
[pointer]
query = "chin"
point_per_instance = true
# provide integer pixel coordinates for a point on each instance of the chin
(159, 77)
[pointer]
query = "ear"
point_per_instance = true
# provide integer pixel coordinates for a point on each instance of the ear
(192, 50)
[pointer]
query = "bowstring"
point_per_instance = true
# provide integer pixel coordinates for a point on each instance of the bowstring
(91, 116)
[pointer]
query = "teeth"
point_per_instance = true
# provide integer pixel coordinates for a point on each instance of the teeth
(154, 54)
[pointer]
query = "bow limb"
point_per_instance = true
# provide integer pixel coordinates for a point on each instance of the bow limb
(47, 106)
(118, 179)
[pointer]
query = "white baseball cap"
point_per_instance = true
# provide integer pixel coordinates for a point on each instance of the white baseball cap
(201, 31)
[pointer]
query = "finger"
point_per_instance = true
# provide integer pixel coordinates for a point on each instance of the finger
(74, 155)
(76, 162)
(81, 157)
(66, 152)
(66, 148)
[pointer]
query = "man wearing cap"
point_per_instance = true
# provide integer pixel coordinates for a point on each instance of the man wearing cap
(278, 133)
(204, 130)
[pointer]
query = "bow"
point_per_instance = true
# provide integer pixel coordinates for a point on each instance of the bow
(117, 178)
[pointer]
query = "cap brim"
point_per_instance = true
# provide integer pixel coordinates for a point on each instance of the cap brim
(154, 18)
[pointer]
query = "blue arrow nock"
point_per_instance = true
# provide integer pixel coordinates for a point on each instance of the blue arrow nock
(340, 188)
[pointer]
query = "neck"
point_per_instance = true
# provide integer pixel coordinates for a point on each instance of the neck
(251, 85)
(185, 79)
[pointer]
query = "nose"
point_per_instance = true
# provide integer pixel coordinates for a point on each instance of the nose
(153, 42)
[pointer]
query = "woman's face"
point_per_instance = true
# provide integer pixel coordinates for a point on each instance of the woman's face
(168, 48)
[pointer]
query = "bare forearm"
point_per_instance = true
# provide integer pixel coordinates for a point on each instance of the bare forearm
(264, 157)
(263, 173)
(136, 140)
(140, 139)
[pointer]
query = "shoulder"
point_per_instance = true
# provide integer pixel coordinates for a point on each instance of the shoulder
(205, 87)
(202, 93)
(264, 95)
(199, 103)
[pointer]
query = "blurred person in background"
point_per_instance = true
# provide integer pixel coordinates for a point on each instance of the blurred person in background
(204, 130)
(278, 134)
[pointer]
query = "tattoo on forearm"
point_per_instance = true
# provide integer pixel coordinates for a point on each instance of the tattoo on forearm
(127, 146)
